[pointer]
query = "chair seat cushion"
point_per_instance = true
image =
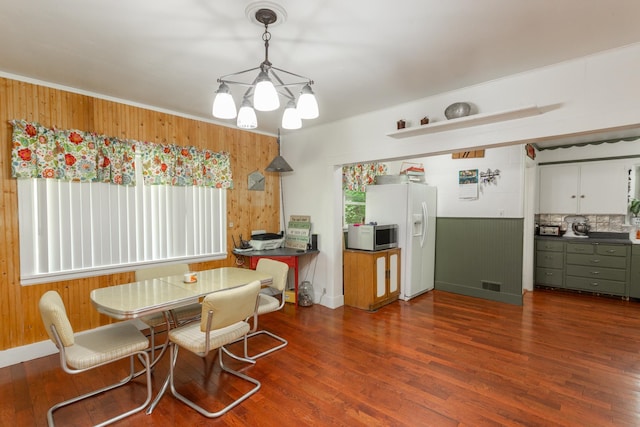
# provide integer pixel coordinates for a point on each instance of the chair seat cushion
(267, 304)
(192, 338)
(191, 311)
(104, 345)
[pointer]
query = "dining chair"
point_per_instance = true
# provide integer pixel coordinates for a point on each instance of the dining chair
(269, 303)
(223, 321)
(177, 316)
(88, 350)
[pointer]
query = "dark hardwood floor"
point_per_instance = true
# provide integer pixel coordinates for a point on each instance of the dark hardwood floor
(439, 360)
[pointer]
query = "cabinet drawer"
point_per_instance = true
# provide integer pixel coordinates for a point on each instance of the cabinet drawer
(549, 245)
(549, 276)
(597, 260)
(596, 285)
(550, 259)
(596, 272)
(612, 250)
(579, 248)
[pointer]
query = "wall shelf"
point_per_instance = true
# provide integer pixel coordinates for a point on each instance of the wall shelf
(467, 121)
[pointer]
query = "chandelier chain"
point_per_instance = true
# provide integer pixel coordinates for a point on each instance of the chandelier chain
(266, 37)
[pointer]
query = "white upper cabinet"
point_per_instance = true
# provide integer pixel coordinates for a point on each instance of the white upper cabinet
(584, 188)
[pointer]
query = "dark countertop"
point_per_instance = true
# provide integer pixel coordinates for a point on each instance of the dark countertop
(594, 237)
(277, 252)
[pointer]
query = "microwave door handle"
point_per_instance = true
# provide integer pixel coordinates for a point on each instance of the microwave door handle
(425, 224)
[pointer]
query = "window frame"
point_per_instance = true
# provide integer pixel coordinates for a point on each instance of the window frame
(345, 224)
(150, 234)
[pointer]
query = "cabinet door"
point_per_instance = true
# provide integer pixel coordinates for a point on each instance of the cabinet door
(381, 276)
(394, 272)
(587, 188)
(634, 283)
(603, 188)
(559, 189)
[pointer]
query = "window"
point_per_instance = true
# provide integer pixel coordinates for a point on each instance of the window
(70, 229)
(355, 179)
(354, 207)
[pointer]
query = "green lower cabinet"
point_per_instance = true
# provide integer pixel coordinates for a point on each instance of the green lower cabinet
(591, 272)
(550, 263)
(600, 268)
(550, 277)
(634, 283)
(601, 286)
(588, 266)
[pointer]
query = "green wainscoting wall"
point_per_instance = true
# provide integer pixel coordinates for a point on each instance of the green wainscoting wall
(480, 257)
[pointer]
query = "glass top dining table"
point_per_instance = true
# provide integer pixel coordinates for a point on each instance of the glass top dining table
(136, 299)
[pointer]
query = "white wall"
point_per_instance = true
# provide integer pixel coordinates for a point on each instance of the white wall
(587, 95)
(502, 199)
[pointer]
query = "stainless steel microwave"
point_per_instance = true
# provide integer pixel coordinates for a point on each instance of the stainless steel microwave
(369, 237)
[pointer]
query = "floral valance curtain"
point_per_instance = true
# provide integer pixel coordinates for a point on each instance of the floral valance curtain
(357, 177)
(73, 155)
(184, 166)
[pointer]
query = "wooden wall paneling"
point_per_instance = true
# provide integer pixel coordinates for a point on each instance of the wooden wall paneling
(6, 101)
(64, 110)
(10, 298)
(53, 116)
(43, 112)
(258, 198)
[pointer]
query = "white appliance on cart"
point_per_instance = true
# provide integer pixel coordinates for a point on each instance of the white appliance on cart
(412, 206)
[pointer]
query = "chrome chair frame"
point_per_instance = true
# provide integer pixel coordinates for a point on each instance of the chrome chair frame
(269, 304)
(232, 324)
(142, 354)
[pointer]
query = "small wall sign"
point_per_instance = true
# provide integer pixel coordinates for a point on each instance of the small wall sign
(531, 152)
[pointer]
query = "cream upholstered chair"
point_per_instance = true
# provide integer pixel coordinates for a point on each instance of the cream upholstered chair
(223, 321)
(88, 350)
(268, 303)
(178, 316)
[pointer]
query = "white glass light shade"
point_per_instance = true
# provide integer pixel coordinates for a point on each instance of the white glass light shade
(307, 104)
(247, 116)
(224, 107)
(265, 96)
(290, 117)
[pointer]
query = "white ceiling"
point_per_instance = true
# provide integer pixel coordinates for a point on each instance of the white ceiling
(363, 55)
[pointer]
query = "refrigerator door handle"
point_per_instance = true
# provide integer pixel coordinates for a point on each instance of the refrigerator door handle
(425, 223)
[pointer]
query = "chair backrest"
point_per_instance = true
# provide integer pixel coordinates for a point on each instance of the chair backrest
(53, 312)
(230, 306)
(161, 271)
(277, 269)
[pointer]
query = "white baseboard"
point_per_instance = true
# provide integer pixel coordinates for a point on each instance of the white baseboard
(28, 352)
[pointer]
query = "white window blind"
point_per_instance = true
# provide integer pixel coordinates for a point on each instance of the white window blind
(70, 230)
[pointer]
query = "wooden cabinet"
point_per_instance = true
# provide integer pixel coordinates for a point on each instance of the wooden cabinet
(587, 188)
(371, 279)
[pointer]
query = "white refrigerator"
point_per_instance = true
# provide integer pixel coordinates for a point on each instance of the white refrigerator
(413, 207)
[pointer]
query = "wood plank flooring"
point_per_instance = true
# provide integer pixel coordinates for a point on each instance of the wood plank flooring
(439, 360)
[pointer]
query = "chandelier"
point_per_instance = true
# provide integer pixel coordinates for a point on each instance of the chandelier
(264, 91)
